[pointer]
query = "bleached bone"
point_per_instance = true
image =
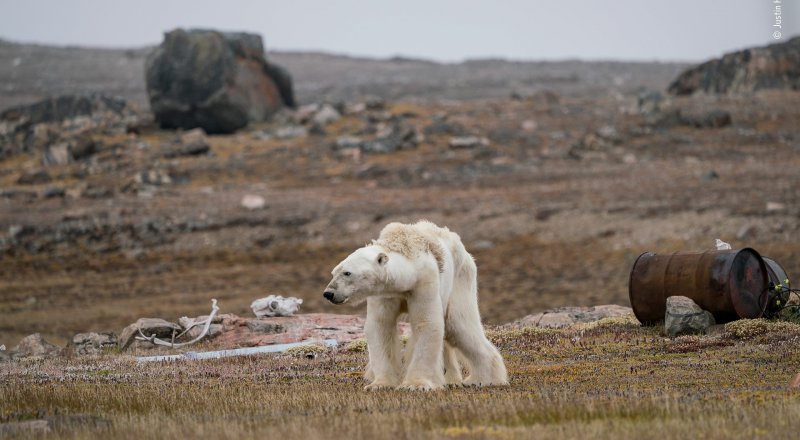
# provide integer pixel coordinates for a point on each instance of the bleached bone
(153, 339)
(275, 305)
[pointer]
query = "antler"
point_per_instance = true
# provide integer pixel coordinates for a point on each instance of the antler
(155, 340)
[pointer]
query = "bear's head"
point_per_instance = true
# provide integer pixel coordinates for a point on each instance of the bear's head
(363, 273)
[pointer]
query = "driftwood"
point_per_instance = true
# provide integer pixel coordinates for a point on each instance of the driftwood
(207, 324)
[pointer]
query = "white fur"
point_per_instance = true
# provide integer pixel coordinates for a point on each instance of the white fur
(434, 280)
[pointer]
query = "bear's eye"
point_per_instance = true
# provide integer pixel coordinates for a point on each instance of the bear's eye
(347, 274)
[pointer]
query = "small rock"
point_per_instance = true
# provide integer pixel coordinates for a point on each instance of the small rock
(795, 383)
(275, 305)
(191, 143)
(649, 103)
(684, 316)
(291, 132)
(629, 158)
(265, 327)
(151, 177)
(253, 202)
(711, 119)
(529, 125)
(441, 126)
(57, 154)
(711, 175)
(326, 115)
(775, 207)
(346, 142)
(34, 177)
(91, 343)
(53, 191)
(149, 326)
(35, 345)
(468, 142)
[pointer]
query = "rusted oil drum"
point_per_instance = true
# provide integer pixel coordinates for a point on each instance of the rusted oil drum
(730, 284)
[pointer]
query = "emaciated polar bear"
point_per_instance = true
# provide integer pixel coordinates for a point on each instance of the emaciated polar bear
(423, 270)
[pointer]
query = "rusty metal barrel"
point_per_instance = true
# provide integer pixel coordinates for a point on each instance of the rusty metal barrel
(730, 284)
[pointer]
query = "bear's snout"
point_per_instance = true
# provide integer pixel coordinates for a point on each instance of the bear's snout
(328, 295)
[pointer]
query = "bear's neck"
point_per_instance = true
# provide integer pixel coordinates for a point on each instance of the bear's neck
(402, 275)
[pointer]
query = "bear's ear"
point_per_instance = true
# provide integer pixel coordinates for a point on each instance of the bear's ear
(382, 258)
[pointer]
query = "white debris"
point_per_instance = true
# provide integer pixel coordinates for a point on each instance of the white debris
(721, 245)
(275, 305)
(253, 202)
(195, 355)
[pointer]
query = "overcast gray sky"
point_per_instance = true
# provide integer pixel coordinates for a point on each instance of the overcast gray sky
(444, 30)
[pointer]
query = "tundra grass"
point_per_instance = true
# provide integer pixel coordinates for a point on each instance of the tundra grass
(612, 379)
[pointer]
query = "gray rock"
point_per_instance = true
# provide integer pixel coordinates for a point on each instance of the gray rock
(34, 177)
(191, 143)
(35, 345)
(29, 427)
(710, 119)
(64, 107)
(776, 66)
(91, 343)
(214, 80)
(149, 326)
(468, 142)
(326, 115)
(649, 103)
(291, 132)
(264, 327)
(684, 316)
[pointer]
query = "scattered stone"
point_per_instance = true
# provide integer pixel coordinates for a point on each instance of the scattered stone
(93, 343)
(347, 142)
(775, 207)
(34, 177)
(151, 177)
(629, 158)
(57, 154)
(468, 142)
(795, 382)
(711, 175)
(711, 119)
(567, 316)
(291, 132)
(191, 143)
(253, 202)
(61, 108)
(149, 326)
(53, 191)
(225, 81)
(684, 316)
(649, 103)
(35, 345)
(529, 125)
(275, 305)
(265, 327)
(776, 66)
(326, 115)
(442, 126)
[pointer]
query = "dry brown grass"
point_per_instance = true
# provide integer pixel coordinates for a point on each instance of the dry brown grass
(610, 380)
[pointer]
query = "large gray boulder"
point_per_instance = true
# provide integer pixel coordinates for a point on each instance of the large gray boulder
(776, 66)
(214, 80)
(684, 316)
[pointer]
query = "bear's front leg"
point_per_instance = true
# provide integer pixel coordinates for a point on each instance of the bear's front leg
(383, 343)
(425, 370)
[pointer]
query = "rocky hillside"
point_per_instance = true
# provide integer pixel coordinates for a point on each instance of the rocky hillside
(30, 72)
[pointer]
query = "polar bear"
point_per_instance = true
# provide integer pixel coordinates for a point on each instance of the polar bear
(425, 271)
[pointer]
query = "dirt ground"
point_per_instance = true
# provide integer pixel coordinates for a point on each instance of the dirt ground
(555, 209)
